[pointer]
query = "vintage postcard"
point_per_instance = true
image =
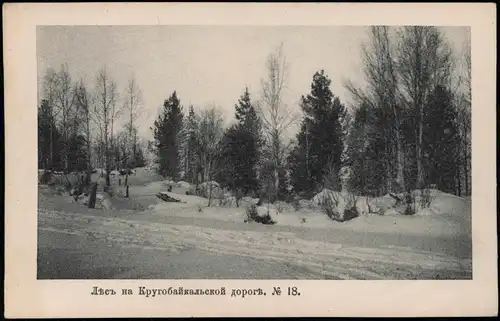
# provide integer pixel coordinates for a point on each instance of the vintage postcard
(250, 160)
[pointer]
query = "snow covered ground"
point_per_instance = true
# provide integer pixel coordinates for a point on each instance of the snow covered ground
(304, 243)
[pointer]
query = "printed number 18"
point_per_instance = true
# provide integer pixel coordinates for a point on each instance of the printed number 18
(293, 291)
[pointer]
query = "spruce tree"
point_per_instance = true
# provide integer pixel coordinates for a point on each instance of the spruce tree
(166, 130)
(240, 148)
(365, 153)
(440, 140)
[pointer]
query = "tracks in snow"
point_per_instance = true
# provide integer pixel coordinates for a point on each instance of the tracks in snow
(313, 259)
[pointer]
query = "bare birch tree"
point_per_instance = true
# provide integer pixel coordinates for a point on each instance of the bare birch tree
(210, 131)
(105, 112)
(276, 116)
(423, 62)
(382, 92)
(83, 100)
(464, 113)
(64, 103)
(133, 99)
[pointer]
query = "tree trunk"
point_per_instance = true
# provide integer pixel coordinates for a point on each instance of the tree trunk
(400, 180)
(420, 172)
(209, 186)
(93, 196)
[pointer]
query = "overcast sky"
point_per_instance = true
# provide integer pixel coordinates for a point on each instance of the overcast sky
(206, 64)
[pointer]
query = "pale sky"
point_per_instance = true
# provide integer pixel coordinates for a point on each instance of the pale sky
(207, 64)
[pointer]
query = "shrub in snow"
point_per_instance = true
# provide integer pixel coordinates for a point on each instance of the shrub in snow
(227, 202)
(427, 195)
(331, 210)
(253, 215)
(44, 177)
(410, 204)
(339, 206)
(207, 189)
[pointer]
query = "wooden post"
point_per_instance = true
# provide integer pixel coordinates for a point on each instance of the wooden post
(93, 196)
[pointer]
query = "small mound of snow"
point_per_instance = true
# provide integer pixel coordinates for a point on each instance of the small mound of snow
(184, 184)
(383, 203)
(248, 199)
(209, 184)
(229, 201)
(264, 210)
(363, 206)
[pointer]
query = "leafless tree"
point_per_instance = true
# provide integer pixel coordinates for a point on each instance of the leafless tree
(210, 131)
(83, 100)
(105, 113)
(382, 92)
(423, 62)
(133, 100)
(464, 115)
(276, 116)
(64, 104)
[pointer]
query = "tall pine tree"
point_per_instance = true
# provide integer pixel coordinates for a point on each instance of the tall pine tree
(166, 130)
(320, 140)
(240, 148)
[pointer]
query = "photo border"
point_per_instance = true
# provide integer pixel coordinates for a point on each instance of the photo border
(25, 296)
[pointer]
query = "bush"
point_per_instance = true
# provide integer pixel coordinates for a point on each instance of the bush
(251, 213)
(330, 209)
(253, 216)
(329, 206)
(45, 178)
(426, 198)
(410, 203)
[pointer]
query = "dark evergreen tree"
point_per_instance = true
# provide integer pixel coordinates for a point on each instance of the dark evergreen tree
(48, 138)
(139, 159)
(240, 148)
(440, 141)
(78, 156)
(320, 140)
(365, 153)
(190, 147)
(166, 130)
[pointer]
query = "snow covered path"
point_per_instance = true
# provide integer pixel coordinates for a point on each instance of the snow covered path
(315, 259)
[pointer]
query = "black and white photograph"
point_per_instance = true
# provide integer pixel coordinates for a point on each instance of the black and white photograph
(254, 152)
(248, 159)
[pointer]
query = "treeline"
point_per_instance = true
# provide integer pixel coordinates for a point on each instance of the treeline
(412, 126)
(408, 128)
(77, 124)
